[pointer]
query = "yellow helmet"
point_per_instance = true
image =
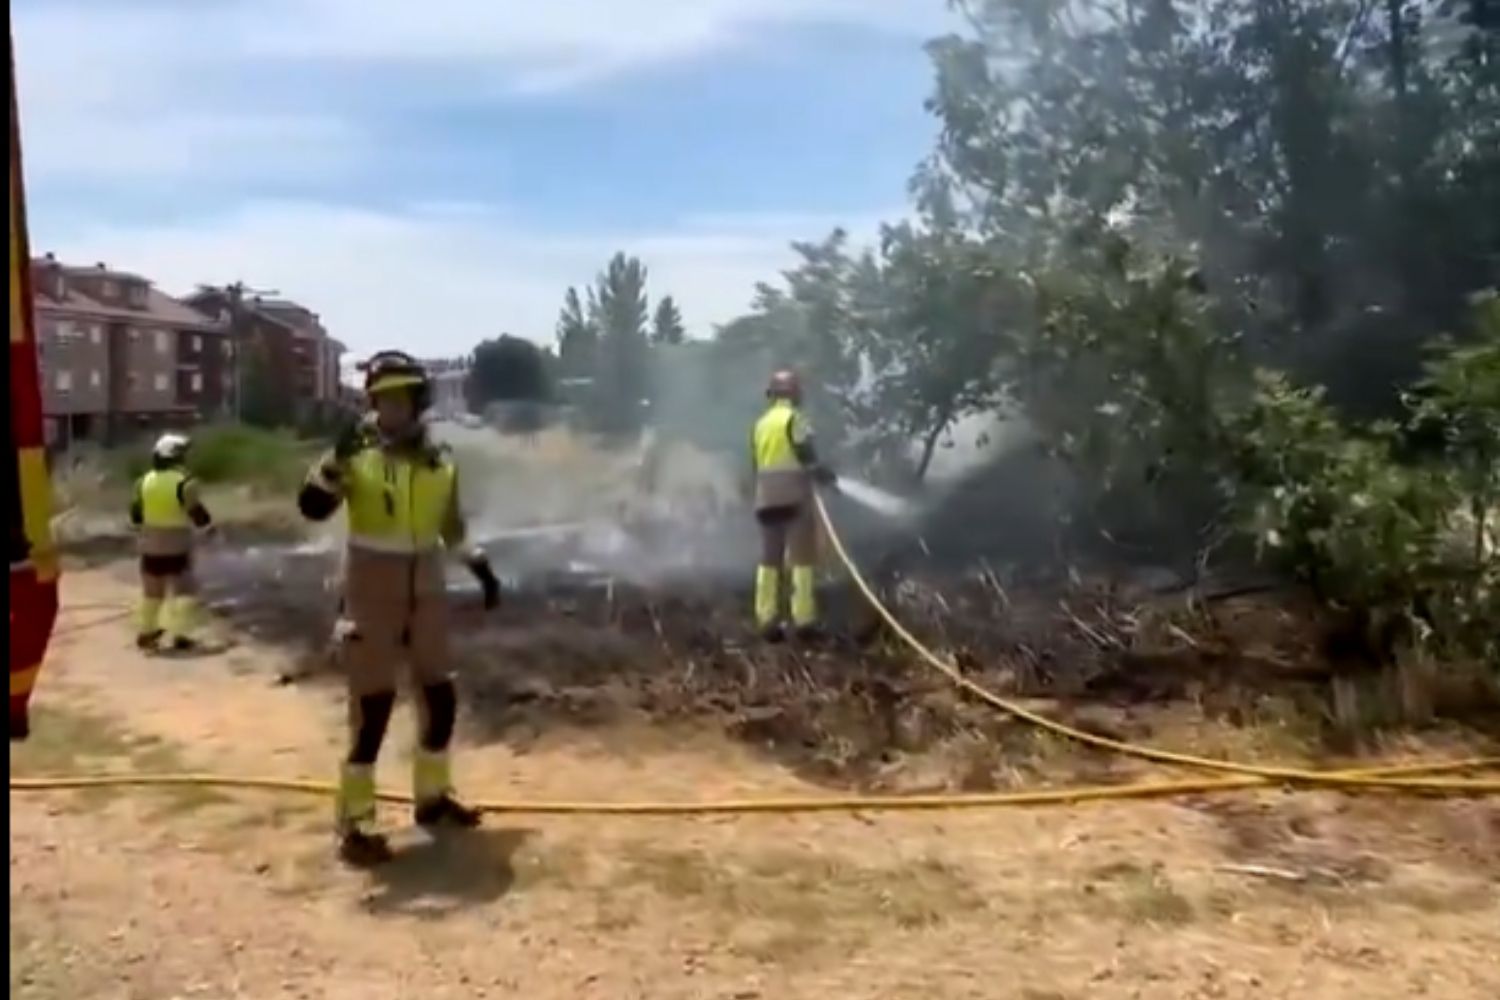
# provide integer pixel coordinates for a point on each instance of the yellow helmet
(388, 371)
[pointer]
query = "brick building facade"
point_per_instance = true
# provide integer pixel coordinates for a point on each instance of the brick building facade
(118, 356)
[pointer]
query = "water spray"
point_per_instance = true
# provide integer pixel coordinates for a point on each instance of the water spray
(878, 500)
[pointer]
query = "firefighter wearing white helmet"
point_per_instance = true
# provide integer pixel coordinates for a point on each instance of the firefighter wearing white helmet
(401, 492)
(166, 511)
(786, 467)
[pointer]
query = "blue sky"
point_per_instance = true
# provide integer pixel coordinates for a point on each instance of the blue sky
(431, 172)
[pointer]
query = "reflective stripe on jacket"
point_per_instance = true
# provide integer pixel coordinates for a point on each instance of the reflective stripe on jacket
(164, 496)
(780, 478)
(401, 504)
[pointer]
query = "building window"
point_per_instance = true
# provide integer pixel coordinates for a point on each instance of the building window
(197, 342)
(160, 381)
(197, 381)
(228, 348)
(64, 381)
(110, 288)
(163, 343)
(132, 380)
(95, 379)
(96, 334)
(135, 334)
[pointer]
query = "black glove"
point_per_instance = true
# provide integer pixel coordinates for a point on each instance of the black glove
(479, 565)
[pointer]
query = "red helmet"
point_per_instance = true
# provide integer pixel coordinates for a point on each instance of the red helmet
(784, 384)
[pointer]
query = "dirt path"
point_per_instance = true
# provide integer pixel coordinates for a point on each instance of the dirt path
(197, 894)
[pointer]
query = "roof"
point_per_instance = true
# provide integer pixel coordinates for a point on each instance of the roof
(196, 300)
(160, 308)
(301, 319)
(99, 270)
(291, 316)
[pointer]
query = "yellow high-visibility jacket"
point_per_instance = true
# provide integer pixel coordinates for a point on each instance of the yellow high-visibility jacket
(781, 478)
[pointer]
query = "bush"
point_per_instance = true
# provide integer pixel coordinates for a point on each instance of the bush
(1406, 547)
(239, 454)
(1127, 378)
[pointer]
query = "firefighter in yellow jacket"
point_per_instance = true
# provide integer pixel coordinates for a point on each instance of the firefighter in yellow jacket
(165, 510)
(403, 512)
(786, 468)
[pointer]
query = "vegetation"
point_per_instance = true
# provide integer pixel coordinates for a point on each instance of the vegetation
(666, 324)
(509, 370)
(608, 345)
(271, 460)
(1209, 251)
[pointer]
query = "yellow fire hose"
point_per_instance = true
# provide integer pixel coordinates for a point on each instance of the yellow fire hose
(1345, 779)
(804, 804)
(1393, 778)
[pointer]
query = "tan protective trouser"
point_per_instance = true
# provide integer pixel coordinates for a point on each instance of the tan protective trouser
(397, 608)
(788, 536)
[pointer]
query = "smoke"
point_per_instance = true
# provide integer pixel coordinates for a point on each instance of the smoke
(559, 503)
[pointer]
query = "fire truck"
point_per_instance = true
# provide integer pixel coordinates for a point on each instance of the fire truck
(33, 558)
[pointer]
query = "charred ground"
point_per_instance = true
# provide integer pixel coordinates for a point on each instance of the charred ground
(1233, 665)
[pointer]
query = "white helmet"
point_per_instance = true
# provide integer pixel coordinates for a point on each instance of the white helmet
(171, 447)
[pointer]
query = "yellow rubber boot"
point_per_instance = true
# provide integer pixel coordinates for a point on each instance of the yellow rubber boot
(431, 775)
(181, 622)
(354, 817)
(804, 597)
(148, 622)
(432, 787)
(767, 599)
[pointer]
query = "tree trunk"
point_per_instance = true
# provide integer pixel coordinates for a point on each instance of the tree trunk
(929, 444)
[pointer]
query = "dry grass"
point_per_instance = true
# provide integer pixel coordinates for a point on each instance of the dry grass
(44, 966)
(1138, 894)
(69, 741)
(780, 904)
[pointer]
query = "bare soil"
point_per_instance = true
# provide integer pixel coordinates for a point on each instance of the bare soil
(198, 893)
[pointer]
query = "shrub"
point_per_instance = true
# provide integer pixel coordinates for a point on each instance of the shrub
(236, 453)
(1376, 535)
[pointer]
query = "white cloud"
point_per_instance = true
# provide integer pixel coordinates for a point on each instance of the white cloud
(537, 46)
(438, 280)
(172, 147)
(195, 94)
(177, 87)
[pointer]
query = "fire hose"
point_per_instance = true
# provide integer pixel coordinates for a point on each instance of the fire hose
(1411, 778)
(1286, 775)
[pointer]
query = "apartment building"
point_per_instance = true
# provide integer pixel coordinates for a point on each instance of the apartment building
(290, 336)
(119, 357)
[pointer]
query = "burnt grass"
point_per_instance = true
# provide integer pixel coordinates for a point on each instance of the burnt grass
(848, 711)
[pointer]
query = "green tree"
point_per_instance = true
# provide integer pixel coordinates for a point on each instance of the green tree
(617, 309)
(508, 369)
(577, 338)
(666, 325)
(1331, 168)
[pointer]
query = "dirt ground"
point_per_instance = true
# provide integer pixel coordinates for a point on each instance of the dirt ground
(195, 893)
